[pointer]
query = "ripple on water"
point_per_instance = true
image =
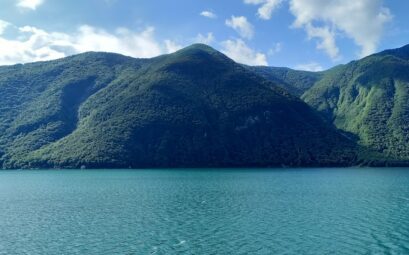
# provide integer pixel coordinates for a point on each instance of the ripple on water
(205, 212)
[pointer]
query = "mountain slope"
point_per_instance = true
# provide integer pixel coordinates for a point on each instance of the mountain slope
(369, 98)
(193, 108)
(294, 81)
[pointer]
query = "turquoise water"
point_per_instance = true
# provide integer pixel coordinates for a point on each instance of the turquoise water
(326, 211)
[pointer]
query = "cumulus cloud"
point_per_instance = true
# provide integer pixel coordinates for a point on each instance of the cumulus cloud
(242, 26)
(3, 26)
(206, 39)
(29, 4)
(312, 67)
(267, 7)
(240, 52)
(363, 21)
(137, 44)
(208, 14)
(327, 39)
(172, 46)
(34, 44)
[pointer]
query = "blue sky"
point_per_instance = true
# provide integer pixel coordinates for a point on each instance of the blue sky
(302, 34)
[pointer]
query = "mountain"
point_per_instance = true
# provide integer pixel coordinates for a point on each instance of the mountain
(369, 98)
(294, 81)
(193, 108)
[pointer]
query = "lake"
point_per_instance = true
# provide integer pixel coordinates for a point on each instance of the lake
(247, 211)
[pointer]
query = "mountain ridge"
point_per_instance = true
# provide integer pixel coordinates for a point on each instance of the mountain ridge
(198, 108)
(368, 98)
(192, 108)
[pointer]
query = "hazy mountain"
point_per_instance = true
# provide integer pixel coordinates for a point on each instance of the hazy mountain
(294, 81)
(193, 108)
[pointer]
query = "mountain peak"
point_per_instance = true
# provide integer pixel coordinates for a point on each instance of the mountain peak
(200, 50)
(196, 56)
(402, 52)
(198, 47)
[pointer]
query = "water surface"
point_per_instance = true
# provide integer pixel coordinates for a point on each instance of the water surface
(287, 211)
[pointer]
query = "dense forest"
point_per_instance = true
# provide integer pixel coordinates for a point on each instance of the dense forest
(198, 108)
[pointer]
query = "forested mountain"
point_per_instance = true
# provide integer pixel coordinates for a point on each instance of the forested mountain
(193, 108)
(369, 98)
(198, 108)
(294, 81)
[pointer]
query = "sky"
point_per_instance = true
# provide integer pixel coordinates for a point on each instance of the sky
(302, 34)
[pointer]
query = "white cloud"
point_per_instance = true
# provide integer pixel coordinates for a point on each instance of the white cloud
(327, 37)
(242, 26)
(34, 44)
(3, 26)
(363, 21)
(267, 7)
(29, 4)
(277, 47)
(124, 41)
(240, 52)
(312, 67)
(206, 39)
(208, 14)
(172, 46)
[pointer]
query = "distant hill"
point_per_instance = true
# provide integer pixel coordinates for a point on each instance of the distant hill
(193, 108)
(294, 81)
(370, 99)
